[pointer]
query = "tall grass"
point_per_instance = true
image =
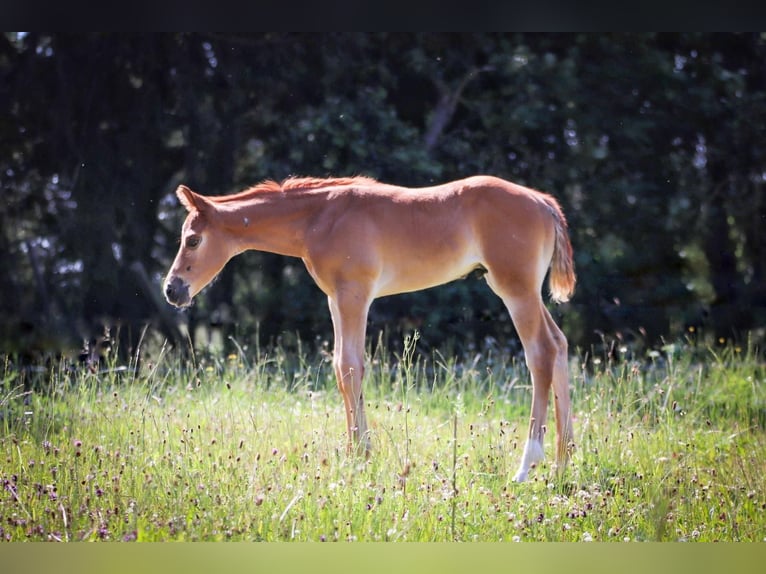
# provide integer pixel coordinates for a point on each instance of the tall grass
(671, 446)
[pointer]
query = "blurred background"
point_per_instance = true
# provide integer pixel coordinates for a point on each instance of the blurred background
(653, 144)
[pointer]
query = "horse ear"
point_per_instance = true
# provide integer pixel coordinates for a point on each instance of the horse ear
(190, 200)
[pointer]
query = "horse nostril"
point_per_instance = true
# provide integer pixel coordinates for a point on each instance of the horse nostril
(177, 292)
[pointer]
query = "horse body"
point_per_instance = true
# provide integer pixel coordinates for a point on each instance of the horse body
(361, 239)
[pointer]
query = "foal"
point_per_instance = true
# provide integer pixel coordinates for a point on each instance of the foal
(361, 239)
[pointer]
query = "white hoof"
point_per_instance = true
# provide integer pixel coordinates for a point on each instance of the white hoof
(533, 453)
(521, 475)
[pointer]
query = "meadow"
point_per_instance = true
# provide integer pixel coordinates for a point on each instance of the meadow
(251, 446)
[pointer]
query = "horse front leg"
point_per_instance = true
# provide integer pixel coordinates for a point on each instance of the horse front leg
(349, 316)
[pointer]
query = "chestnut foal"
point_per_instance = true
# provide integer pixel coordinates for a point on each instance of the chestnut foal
(361, 239)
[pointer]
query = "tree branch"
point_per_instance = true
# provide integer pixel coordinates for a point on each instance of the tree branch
(447, 104)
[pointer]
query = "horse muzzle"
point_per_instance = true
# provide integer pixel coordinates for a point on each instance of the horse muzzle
(177, 292)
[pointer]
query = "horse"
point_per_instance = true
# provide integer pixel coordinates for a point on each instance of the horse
(361, 239)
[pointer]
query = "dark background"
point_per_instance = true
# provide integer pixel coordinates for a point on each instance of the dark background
(653, 143)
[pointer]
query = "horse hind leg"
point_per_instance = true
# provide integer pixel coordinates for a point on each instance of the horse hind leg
(545, 350)
(561, 399)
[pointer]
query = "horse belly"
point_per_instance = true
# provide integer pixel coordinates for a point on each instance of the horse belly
(416, 269)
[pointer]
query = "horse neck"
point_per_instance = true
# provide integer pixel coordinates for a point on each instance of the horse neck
(274, 222)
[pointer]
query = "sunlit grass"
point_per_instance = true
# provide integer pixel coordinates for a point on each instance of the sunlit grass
(671, 446)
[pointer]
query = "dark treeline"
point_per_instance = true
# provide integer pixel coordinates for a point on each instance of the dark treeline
(654, 145)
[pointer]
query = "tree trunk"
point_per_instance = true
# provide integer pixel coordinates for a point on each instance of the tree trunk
(726, 312)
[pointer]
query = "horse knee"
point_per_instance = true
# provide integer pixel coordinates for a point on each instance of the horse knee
(349, 375)
(540, 359)
(548, 353)
(560, 343)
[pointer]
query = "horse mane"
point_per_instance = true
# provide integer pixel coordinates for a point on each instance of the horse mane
(292, 184)
(299, 183)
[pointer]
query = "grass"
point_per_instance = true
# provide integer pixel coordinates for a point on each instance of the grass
(671, 446)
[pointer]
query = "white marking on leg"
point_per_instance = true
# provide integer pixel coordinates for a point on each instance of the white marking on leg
(533, 453)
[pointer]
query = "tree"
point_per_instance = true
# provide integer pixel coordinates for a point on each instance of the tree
(648, 140)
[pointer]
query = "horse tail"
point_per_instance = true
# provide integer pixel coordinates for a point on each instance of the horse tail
(562, 278)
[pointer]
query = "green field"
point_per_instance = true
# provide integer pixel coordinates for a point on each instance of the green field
(670, 446)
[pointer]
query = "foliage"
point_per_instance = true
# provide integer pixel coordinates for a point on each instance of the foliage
(648, 140)
(252, 447)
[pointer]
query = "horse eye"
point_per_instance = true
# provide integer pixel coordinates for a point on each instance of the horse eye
(193, 241)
